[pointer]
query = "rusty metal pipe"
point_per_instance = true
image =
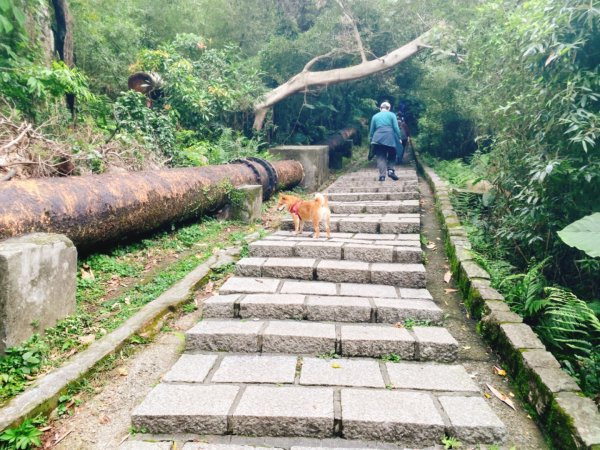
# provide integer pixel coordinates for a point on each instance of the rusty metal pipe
(108, 207)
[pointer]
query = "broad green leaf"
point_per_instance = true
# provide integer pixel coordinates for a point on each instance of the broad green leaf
(5, 5)
(583, 234)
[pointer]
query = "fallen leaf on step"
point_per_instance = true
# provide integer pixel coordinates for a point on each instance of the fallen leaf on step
(501, 396)
(209, 287)
(499, 371)
(447, 276)
(450, 290)
(122, 371)
(487, 395)
(103, 419)
(399, 325)
(336, 365)
(431, 246)
(87, 339)
(467, 347)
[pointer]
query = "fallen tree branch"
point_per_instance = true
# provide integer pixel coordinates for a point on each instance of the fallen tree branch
(17, 139)
(307, 79)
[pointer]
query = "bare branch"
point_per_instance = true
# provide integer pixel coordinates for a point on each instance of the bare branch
(313, 61)
(17, 139)
(359, 43)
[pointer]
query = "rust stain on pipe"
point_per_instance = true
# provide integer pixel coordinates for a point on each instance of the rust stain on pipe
(100, 208)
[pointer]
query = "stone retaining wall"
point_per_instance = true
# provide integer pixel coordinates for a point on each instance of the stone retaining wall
(571, 420)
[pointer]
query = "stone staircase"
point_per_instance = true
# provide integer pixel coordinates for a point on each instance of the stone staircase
(334, 339)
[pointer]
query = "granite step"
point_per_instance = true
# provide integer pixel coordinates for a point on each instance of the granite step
(338, 271)
(371, 188)
(321, 308)
(370, 196)
(420, 343)
(365, 223)
(375, 207)
(263, 285)
(369, 250)
(283, 396)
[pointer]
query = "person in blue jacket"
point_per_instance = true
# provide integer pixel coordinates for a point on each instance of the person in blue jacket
(385, 139)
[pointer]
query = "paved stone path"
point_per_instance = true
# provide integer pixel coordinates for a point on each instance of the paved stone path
(313, 339)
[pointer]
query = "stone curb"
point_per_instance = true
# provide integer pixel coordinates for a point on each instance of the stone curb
(571, 420)
(43, 396)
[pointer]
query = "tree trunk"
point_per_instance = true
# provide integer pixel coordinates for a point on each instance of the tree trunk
(307, 79)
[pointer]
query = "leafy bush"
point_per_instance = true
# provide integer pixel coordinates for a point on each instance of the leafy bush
(22, 437)
(18, 365)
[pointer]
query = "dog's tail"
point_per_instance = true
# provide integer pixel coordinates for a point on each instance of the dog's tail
(321, 200)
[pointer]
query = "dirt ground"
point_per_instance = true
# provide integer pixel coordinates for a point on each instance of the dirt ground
(103, 420)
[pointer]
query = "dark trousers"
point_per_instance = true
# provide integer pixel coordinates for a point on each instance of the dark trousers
(386, 156)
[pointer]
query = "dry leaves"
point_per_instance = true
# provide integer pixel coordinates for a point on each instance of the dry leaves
(499, 371)
(336, 365)
(502, 397)
(209, 287)
(447, 276)
(87, 339)
(122, 371)
(87, 273)
(450, 290)
(104, 419)
(431, 246)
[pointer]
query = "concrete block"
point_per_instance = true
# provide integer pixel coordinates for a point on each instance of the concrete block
(539, 358)
(376, 340)
(185, 408)
(343, 271)
(220, 306)
(338, 309)
(206, 446)
(393, 310)
(584, 416)
(555, 379)
(224, 335)
(249, 285)
(246, 203)
(391, 416)
(272, 306)
(520, 335)
(266, 249)
(190, 368)
(405, 275)
(37, 285)
(295, 268)
(256, 369)
(341, 372)
(430, 377)
(359, 225)
(368, 290)
(369, 252)
(435, 344)
(395, 225)
(472, 420)
(249, 267)
(284, 411)
(299, 337)
(319, 249)
(309, 288)
(314, 160)
(408, 255)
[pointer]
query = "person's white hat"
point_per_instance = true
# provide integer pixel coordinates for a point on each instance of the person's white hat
(386, 105)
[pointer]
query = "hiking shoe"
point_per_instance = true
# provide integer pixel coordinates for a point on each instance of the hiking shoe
(392, 175)
(381, 178)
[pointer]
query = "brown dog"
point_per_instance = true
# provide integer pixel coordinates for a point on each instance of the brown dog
(303, 210)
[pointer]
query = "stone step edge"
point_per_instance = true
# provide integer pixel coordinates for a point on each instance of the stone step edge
(266, 285)
(419, 343)
(351, 413)
(343, 251)
(379, 310)
(319, 269)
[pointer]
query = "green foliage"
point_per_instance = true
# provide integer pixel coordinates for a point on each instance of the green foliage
(18, 365)
(22, 437)
(150, 128)
(583, 234)
(392, 357)
(451, 442)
